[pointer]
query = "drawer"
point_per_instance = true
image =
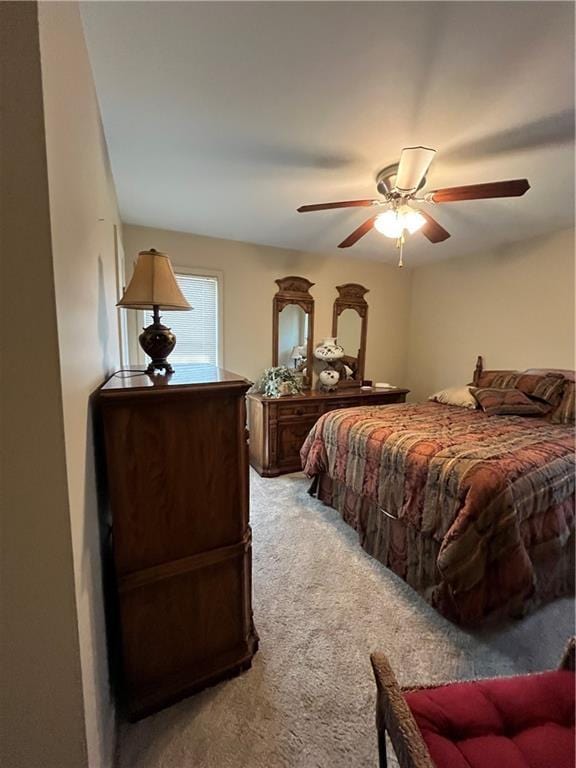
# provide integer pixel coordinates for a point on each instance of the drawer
(332, 405)
(388, 399)
(291, 437)
(290, 410)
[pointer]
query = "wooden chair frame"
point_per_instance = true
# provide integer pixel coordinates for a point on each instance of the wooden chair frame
(393, 715)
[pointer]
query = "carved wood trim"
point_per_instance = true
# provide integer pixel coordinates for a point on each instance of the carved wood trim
(294, 286)
(294, 290)
(351, 296)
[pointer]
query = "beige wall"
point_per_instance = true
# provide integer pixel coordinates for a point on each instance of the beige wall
(83, 215)
(249, 273)
(41, 713)
(513, 305)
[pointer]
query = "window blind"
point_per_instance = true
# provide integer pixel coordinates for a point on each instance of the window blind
(197, 329)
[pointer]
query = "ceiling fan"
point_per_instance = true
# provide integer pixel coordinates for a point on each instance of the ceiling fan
(399, 185)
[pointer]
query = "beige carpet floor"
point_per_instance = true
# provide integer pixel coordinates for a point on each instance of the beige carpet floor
(320, 606)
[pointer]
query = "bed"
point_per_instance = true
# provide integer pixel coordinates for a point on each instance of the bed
(474, 511)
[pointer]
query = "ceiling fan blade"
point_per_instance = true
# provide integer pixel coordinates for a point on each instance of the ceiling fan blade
(432, 230)
(413, 166)
(544, 132)
(342, 204)
(511, 188)
(362, 230)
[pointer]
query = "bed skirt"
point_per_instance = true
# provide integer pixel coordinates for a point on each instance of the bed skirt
(413, 556)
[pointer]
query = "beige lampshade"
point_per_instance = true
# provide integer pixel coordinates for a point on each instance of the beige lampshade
(153, 284)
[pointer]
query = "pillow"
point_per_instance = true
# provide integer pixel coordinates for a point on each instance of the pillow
(460, 396)
(564, 414)
(547, 387)
(496, 401)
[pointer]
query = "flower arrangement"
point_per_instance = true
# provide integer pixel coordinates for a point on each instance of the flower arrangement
(278, 381)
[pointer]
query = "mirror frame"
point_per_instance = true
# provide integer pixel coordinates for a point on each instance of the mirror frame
(294, 290)
(351, 296)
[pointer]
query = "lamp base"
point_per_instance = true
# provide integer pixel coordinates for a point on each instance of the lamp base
(157, 341)
(159, 365)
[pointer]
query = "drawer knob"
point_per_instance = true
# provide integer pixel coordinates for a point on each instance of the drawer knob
(299, 411)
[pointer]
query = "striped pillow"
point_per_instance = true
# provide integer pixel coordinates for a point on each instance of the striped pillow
(564, 414)
(547, 387)
(496, 401)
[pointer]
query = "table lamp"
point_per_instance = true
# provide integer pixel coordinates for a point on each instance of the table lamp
(153, 286)
(298, 354)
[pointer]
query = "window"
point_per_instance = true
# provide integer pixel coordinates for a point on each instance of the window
(197, 330)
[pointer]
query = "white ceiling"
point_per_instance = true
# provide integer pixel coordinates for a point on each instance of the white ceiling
(222, 117)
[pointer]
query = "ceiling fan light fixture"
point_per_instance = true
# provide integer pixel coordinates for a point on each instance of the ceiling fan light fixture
(392, 223)
(413, 220)
(389, 224)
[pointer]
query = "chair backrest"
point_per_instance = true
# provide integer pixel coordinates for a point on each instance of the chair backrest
(394, 717)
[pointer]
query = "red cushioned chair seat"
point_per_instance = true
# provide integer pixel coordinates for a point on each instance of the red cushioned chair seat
(511, 722)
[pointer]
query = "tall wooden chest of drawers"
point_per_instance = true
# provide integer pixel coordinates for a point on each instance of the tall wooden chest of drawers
(177, 472)
(278, 426)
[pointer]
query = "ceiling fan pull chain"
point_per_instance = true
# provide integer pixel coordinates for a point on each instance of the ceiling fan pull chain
(400, 246)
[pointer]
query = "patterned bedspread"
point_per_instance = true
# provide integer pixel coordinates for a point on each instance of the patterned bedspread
(477, 485)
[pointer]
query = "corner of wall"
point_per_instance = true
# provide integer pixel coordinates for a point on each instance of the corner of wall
(513, 304)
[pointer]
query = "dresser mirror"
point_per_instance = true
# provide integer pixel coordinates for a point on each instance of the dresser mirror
(293, 326)
(350, 326)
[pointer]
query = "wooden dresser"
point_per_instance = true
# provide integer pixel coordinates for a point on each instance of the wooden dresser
(177, 470)
(278, 426)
